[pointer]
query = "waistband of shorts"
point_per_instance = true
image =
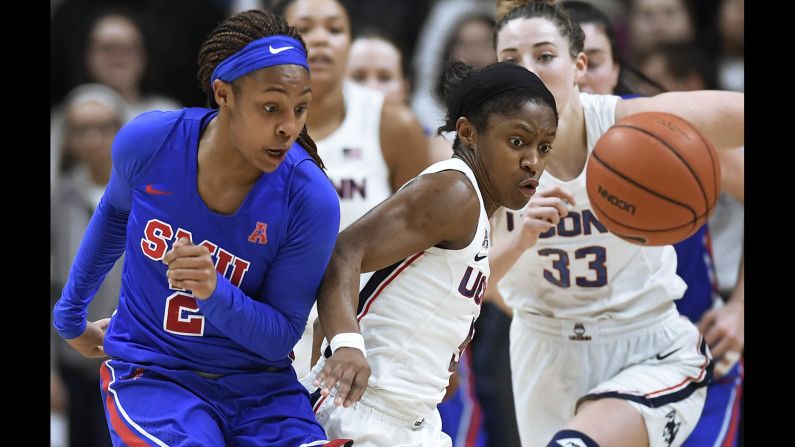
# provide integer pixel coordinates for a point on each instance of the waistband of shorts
(604, 330)
(266, 369)
(374, 404)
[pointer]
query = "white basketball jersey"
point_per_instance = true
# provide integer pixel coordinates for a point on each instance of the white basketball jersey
(418, 315)
(352, 154)
(579, 270)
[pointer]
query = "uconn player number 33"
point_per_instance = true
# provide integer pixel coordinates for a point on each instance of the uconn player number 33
(574, 224)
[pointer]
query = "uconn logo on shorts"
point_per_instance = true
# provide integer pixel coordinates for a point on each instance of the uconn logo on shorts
(579, 333)
(671, 427)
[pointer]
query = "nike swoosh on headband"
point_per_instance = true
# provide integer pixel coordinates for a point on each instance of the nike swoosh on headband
(277, 50)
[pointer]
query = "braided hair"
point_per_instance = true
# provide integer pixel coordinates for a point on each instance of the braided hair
(230, 37)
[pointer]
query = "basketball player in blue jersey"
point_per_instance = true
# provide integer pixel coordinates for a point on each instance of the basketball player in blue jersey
(719, 419)
(428, 245)
(227, 223)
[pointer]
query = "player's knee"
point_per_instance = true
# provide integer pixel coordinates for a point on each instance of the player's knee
(571, 438)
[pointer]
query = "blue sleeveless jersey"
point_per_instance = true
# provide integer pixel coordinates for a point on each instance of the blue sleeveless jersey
(270, 254)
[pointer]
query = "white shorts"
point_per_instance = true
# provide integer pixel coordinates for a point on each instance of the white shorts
(659, 364)
(371, 422)
(376, 422)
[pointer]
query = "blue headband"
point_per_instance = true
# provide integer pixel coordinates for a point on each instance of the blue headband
(260, 53)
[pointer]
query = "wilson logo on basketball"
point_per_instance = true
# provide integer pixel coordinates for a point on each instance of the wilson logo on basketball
(616, 201)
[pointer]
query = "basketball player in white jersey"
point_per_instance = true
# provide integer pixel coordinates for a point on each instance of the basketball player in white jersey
(428, 245)
(370, 147)
(599, 355)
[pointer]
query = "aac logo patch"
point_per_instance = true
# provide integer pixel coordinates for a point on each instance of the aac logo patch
(260, 234)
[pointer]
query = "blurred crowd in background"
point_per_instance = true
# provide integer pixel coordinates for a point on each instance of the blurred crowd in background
(111, 61)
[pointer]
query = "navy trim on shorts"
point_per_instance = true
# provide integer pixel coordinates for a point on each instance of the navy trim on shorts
(656, 402)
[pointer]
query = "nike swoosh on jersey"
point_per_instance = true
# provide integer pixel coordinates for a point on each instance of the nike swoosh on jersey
(277, 50)
(478, 258)
(150, 190)
(661, 357)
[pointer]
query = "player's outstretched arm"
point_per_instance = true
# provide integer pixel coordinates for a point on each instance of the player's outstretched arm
(719, 115)
(438, 209)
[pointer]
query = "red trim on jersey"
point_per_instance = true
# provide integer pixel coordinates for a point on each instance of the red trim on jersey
(338, 442)
(698, 378)
(731, 433)
(371, 300)
(319, 403)
(124, 432)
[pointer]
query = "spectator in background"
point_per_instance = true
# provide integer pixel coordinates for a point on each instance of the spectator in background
(470, 42)
(731, 61)
(442, 36)
(677, 66)
(116, 55)
(400, 19)
(93, 115)
(174, 31)
(376, 61)
(652, 22)
(606, 73)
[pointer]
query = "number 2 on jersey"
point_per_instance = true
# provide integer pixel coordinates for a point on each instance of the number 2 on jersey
(174, 321)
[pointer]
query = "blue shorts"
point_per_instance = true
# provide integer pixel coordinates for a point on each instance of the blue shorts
(719, 419)
(152, 406)
(461, 414)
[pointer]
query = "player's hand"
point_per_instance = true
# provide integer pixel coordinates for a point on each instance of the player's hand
(348, 370)
(90, 342)
(724, 328)
(190, 267)
(545, 209)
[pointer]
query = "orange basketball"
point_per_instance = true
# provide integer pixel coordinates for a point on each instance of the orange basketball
(653, 179)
